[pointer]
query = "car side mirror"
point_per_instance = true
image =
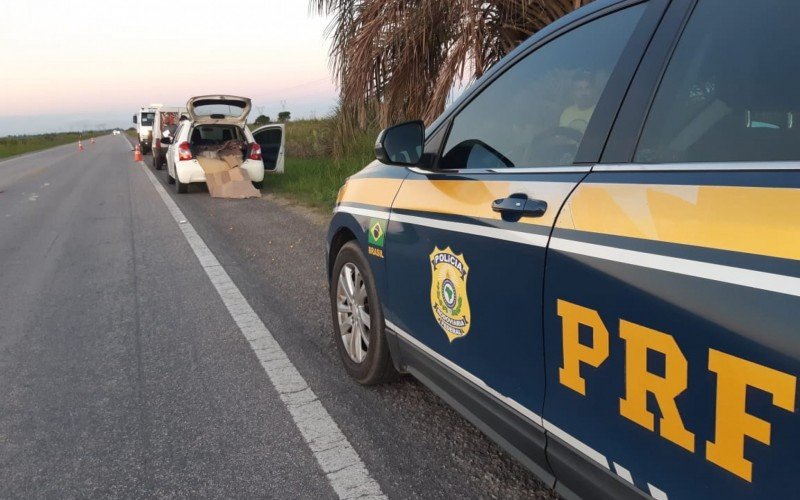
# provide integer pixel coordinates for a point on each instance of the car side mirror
(166, 140)
(401, 144)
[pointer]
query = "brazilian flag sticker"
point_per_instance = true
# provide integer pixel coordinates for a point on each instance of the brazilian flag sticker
(376, 232)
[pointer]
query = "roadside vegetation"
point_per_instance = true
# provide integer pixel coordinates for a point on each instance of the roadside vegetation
(19, 144)
(397, 60)
(319, 155)
(403, 58)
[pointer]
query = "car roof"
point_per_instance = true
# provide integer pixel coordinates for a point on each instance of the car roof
(556, 25)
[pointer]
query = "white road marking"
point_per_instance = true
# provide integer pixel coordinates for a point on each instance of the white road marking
(342, 466)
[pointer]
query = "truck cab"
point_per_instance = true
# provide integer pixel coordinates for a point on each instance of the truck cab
(143, 120)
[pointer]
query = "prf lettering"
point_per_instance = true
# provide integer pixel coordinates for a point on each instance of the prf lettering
(733, 374)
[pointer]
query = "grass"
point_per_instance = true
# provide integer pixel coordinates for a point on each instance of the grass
(316, 165)
(21, 144)
(313, 181)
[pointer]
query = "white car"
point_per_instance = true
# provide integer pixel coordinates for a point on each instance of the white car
(115, 132)
(215, 120)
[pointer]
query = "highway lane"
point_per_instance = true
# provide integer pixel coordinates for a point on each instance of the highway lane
(123, 374)
(120, 373)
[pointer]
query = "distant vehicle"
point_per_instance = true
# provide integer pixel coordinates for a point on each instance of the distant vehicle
(116, 132)
(217, 121)
(594, 253)
(165, 123)
(143, 120)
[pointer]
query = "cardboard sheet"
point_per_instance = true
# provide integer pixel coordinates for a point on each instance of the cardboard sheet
(233, 160)
(226, 182)
(213, 165)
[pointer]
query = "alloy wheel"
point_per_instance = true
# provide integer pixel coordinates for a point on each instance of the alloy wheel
(352, 307)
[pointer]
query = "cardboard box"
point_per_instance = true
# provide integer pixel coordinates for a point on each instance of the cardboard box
(233, 160)
(233, 183)
(213, 165)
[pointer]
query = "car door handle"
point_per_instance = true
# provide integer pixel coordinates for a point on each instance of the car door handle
(518, 205)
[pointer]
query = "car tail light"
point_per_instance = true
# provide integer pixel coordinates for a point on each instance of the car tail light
(184, 153)
(255, 152)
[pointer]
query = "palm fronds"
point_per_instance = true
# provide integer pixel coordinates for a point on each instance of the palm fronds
(401, 58)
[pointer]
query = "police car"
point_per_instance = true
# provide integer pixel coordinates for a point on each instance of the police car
(594, 253)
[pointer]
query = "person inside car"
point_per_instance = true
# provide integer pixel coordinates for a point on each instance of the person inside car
(584, 100)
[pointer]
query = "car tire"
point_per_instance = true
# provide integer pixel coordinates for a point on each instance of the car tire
(258, 185)
(180, 187)
(370, 362)
(170, 179)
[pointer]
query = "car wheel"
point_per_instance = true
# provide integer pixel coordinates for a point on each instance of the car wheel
(170, 179)
(358, 322)
(258, 185)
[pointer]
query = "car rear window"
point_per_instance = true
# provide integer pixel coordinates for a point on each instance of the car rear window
(730, 91)
(147, 118)
(229, 108)
(211, 134)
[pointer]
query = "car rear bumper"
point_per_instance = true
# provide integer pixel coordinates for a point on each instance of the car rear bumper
(190, 171)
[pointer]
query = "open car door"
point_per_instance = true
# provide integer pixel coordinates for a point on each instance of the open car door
(271, 138)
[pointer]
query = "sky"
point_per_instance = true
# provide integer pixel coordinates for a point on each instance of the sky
(82, 64)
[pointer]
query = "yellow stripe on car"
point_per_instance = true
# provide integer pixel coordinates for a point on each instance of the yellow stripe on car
(756, 220)
(474, 198)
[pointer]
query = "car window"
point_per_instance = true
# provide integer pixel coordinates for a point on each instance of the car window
(269, 136)
(179, 131)
(214, 134)
(536, 113)
(730, 90)
(168, 123)
(214, 106)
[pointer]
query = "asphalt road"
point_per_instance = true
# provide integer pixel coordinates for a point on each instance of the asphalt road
(123, 374)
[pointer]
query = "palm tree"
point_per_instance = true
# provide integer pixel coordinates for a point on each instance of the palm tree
(401, 58)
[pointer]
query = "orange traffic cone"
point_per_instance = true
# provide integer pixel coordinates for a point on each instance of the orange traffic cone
(80, 146)
(137, 154)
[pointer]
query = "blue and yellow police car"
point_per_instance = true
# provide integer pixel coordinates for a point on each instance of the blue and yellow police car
(594, 253)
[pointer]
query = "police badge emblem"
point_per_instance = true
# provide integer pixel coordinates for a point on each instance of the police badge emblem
(449, 302)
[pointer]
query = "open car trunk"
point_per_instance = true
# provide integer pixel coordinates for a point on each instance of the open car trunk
(219, 109)
(220, 150)
(225, 143)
